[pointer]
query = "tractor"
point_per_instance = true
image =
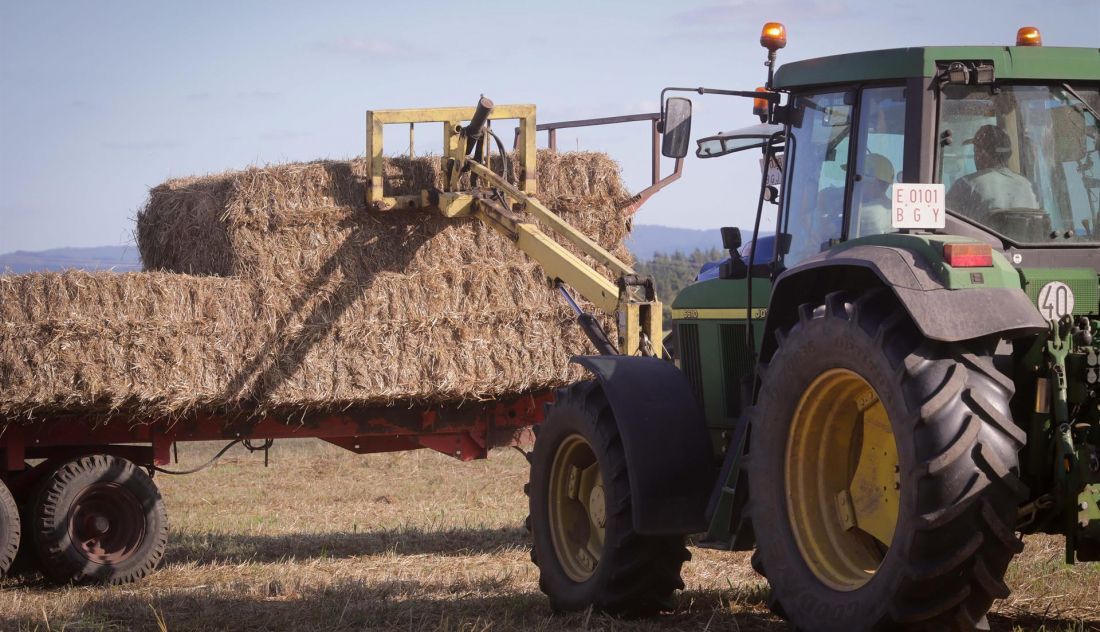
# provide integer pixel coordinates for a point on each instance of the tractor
(908, 383)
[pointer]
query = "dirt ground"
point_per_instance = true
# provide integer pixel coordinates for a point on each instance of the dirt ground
(324, 539)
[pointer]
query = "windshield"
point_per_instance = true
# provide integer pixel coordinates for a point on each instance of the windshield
(1022, 160)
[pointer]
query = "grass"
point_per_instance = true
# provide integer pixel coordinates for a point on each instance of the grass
(325, 539)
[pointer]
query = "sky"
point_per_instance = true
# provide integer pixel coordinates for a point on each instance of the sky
(99, 101)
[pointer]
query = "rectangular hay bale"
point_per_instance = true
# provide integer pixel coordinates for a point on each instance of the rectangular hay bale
(291, 223)
(152, 345)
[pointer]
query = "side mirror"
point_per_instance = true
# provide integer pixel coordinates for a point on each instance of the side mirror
(783, 242)
(731, 237)
(676, 127)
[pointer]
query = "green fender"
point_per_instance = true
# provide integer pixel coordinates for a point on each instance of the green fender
(941, 306)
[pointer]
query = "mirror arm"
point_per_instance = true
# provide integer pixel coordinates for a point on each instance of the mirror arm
(771, 97)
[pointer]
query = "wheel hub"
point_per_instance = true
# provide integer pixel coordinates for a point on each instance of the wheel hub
(578, 508)
(107, 523)
(843, 479)
(98, 524)
(597, 511)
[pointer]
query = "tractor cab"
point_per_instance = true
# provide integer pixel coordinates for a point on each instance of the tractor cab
(1011, 134)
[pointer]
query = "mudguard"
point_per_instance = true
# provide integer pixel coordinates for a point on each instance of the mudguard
(940, 313)
(669, 456)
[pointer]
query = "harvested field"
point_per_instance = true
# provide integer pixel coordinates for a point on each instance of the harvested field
(298, 299)
(328, 540)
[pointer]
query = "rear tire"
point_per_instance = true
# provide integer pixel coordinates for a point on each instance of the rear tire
(99, 519)
(632, 575)
(956, 452)
(9, 529)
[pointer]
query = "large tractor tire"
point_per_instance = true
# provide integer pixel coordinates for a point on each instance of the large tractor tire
(585, 545)
(9, 529)
(98, 519)
(883, 473)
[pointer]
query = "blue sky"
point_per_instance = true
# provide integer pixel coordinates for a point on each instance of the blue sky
(101, 100)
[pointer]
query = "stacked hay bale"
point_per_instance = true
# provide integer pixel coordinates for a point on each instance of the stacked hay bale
(274, 290)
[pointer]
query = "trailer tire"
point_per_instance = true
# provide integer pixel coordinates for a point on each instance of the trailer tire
(945, 407)
(9, 529)
(99, 519)
(632, 575)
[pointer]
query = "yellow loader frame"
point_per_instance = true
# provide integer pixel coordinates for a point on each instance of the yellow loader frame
(638, 310)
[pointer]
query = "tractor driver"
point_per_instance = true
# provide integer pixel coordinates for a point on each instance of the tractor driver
(994, 185)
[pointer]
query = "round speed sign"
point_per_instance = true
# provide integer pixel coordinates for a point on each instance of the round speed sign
(1055, 300)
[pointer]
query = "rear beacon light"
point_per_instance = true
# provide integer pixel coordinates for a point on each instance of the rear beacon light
(773, 36)
(1029, 36)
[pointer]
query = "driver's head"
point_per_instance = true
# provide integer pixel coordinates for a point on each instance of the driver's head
(878, 172)
(992, 147)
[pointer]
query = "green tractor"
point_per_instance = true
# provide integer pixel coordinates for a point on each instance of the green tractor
(883, 403)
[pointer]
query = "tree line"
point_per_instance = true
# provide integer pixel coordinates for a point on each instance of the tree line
(673, 272)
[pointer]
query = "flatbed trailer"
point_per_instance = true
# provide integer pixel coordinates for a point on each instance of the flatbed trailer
(92, 477)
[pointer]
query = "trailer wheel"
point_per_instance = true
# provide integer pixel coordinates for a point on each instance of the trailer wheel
(584, 541)
(883, 473)
(9, 529)
(99, 519)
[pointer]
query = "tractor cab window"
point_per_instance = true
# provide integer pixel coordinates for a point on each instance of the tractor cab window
(821, 124)
(1023, 160)
(881, 140)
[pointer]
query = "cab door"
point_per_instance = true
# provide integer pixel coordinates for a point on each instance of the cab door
(826, 202)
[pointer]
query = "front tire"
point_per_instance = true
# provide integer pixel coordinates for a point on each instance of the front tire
(584, 541)
(9, 529)
(883, 473)
(99, 519)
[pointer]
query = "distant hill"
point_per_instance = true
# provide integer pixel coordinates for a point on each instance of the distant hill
(647, 240)
(117, 258)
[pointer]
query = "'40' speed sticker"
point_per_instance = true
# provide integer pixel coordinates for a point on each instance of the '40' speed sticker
(1055, 300)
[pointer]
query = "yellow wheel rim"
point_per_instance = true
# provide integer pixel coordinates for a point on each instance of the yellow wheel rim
(578, 509)
(843, 486)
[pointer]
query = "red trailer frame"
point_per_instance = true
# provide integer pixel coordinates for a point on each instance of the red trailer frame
(466, 431)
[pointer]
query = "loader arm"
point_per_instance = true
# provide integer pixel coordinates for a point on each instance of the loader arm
(513, 211)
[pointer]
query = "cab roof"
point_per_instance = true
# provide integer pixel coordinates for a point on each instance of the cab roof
(1009, 62)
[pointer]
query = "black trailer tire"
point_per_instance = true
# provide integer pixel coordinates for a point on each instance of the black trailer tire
(26, 560)
(633, 575)
(9, 529)
(957, 472)
(99, 519)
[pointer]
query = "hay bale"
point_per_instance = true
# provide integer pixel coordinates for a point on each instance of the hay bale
(307, 302)
(292, 222)
(145, 346)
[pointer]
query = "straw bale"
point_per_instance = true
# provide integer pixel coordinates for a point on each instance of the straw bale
(291, 222)
(145, 346)
(274, 290)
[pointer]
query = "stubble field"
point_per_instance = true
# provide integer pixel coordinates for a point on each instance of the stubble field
(328, 540)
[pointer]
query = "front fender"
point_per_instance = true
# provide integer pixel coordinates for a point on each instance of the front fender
(669, 457)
